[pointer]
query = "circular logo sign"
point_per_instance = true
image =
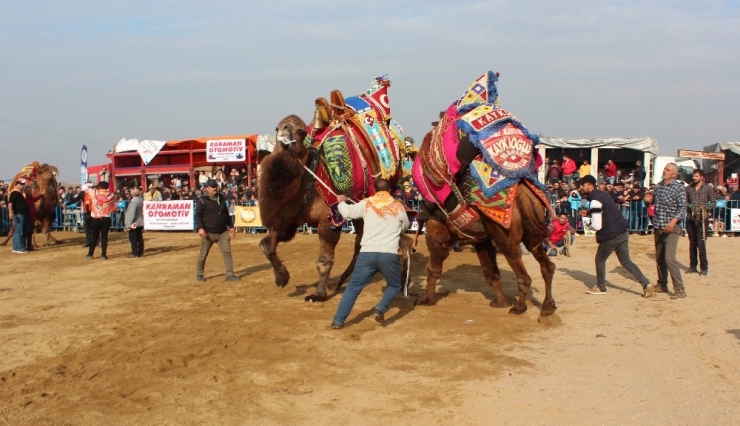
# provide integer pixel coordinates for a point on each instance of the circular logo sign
(248, 215)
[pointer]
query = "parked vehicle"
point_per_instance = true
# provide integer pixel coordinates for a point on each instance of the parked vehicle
(685, 165)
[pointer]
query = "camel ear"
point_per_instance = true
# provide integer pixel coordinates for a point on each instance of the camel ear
(300, 135)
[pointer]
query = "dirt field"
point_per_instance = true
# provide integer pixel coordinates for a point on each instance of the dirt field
(140, 342)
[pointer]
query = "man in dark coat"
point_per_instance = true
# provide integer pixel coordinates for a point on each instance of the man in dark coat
(214, 225)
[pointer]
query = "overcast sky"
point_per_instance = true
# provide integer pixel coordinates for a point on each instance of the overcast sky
(93, 72)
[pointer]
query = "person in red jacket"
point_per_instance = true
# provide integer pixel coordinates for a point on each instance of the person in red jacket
(31, 220)
(558, 230)
(610, 171)
(569, 168)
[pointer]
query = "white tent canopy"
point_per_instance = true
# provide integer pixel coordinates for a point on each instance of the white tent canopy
(725, 146)
(644, 144)
(266, 142)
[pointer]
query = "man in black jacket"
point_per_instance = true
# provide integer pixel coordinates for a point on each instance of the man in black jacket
(611, 234)
(214, 225)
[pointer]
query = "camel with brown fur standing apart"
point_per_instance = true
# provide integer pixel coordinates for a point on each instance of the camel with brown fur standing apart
(45, 184)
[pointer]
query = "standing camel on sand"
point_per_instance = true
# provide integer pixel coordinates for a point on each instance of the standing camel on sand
(43, 182)
(475, 170)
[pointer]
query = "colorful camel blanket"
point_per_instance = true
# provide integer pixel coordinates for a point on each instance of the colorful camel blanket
(357, 150)
(499, 206)
(27, 176)
(506, 147)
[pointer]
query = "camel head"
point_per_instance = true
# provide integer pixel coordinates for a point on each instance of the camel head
(290, 134)
(47, 172)
(46, 179)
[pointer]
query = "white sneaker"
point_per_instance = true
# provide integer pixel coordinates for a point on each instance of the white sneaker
(648, 291)
(595, 290)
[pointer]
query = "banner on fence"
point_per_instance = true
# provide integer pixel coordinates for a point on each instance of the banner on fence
(734, 219)
(247, 216)
(168, 215)
(226, 150)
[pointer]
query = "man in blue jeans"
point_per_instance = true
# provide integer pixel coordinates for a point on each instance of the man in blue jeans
(18, 213)
(385, 219)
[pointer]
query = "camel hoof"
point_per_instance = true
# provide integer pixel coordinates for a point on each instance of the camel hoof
(518, 311)
(282, 280)
(548, 309)
(425, 301)
(550, 320)
(500, 303)
(315, 298)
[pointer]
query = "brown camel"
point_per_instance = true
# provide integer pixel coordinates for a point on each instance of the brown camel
(507, 148)
(527, 226)
(44, 183)
(289, 197)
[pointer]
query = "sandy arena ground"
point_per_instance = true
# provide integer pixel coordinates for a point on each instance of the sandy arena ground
(140, 342)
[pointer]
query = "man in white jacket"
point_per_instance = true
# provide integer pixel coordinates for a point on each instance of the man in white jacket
(385, 219)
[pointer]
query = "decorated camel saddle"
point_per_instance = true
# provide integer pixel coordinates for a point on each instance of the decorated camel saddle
(477, 154)
(27, 175)
(357, 141)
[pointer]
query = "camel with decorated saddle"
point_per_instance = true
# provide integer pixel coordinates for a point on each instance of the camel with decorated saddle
(350, 143)
(42, 179)
(477, 172)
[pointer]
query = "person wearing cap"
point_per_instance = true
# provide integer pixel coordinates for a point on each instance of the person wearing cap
(102, 205)
(18, 214)
(611, 235)
(214, 225)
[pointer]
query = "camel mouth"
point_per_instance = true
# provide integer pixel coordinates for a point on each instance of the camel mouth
(285, 140)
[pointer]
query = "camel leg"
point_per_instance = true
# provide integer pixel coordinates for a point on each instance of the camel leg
(487, 256)
(46, 230)
(268, 245)
(437, 238)
(328, 238)
(10, 234)
(335, 285)
(548, 270)
(523, 280)
(534, 232)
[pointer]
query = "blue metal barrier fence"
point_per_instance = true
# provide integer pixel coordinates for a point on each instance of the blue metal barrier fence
(636, 214)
